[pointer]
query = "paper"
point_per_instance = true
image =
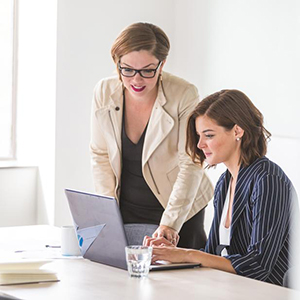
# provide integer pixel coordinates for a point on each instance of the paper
(87, 236)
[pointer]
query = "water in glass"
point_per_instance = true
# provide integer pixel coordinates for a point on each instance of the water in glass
(138, 260)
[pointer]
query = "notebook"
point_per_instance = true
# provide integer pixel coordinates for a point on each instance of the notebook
(25, 271)
(101, 233)
(4, 296)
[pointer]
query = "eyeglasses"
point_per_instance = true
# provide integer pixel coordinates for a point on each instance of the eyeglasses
(145, 73)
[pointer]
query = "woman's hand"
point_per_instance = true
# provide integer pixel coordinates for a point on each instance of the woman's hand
(161, 241)
(171, 254)
(165, 250)
(167, 232)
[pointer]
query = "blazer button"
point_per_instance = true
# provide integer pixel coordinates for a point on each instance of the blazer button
(117, 108)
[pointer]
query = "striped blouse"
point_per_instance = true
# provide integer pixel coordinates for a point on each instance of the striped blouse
(261, 221)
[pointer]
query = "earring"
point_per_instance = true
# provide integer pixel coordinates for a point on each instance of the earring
(237, 138)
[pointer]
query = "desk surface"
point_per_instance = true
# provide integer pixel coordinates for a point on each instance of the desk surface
(83, 279)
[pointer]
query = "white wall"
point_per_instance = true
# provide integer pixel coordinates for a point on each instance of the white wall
(253, 46)
(36, 98)
(35, 119)
(86, 31)
(248, 45)
(18, 196)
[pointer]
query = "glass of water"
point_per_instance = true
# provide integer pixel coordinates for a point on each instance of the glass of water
(138, 260)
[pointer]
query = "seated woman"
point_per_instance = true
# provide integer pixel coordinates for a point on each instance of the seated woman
(253, 199)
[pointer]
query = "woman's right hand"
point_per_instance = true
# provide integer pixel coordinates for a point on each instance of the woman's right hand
(168, 233)
(157, 241)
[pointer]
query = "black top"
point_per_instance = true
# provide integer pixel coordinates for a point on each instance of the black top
(137, 202)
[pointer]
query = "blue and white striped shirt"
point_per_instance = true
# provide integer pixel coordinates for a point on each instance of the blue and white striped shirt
(261, 221)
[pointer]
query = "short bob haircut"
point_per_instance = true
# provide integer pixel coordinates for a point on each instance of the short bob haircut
(227, 108)
(141, 36)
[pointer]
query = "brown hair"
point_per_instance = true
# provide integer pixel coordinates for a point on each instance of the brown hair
(141, 36)
(227, 108)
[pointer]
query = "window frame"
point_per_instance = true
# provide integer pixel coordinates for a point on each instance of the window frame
(13, 141)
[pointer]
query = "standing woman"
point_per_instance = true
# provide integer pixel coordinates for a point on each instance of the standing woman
(138, 142)
(254, 200)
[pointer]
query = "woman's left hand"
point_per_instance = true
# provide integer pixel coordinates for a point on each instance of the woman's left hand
(171, 254)
(161, 241)
(167, 232)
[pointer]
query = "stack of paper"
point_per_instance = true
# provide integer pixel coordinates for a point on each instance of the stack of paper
(25, 271)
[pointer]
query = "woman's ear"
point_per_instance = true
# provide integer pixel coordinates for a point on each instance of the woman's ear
(162, 65)
(238, 131)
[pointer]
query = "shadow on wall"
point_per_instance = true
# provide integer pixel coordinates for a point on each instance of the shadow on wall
(42, 211)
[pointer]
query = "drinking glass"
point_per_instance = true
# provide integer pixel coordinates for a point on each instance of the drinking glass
(138, 260)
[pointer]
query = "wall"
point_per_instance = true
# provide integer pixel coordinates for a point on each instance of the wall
(248, 45)
(86, 31)
(18, 197)
(253, 46)
(36, 97)
(215, 44)
(35, 119)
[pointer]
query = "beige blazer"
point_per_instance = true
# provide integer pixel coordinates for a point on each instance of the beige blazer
(180, 186)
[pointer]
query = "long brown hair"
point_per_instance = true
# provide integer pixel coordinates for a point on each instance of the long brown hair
(227, 108)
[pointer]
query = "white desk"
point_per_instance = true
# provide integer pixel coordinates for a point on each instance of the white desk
(83, 279)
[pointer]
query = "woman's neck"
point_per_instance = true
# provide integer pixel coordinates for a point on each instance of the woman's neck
(233, 163)
(234, 170)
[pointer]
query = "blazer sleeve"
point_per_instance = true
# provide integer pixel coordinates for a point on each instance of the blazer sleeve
(191, 181)
(103, 176)
(270, 202)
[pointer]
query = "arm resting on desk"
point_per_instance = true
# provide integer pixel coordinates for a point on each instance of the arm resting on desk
(174, 254)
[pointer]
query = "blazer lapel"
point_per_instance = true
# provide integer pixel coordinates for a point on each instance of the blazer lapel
(111, 120)
(219, 201)
(240, 198)
(159, 126)
(116, 114)
(222, 197)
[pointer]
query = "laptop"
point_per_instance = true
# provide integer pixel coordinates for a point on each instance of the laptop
(100, 230)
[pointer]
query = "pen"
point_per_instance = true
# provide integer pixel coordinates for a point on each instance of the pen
(50, 246)
(27, 250)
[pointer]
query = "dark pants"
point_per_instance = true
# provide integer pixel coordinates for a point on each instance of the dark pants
(192, 234)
